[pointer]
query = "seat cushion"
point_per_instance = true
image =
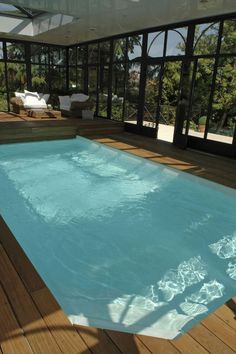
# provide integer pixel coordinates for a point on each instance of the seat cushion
(64, 102)
(32, 101)
(32, 93)
(44, 96)
(79, 97)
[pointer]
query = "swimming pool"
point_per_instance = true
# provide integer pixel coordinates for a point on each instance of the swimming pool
(123, 243)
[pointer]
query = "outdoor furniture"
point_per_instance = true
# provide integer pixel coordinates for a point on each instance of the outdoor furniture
(72, 106)
(24, 101)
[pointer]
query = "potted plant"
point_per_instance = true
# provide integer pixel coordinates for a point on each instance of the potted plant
(202, 124)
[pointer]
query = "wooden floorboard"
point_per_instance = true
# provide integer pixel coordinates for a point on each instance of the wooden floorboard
(31, 321)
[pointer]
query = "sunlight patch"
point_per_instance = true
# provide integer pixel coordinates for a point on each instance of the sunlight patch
(208, 292)
(175, 281)
(225, 248)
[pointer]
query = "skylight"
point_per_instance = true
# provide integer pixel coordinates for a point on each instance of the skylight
(16, 11)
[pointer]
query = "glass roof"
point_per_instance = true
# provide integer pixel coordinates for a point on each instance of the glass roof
(17, 11)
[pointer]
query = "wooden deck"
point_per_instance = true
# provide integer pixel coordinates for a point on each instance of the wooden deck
(16, 128)
(31, 321)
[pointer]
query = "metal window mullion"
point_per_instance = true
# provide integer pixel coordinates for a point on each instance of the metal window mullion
(142, 81)
(209, 109)
(162, 62)
(6, 76)
(110, 77)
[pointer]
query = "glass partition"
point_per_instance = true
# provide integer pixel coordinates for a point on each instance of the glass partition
(15, 51)
(1, 50)
(132, 93)
(228, 40)
(118, 91)
(201, 96)
(176, 41)
(206, 38)
(151, 95)
(155, 45)
(39, 54)
(223, 117)
(135, 47)
(40, 78)
(120, 49)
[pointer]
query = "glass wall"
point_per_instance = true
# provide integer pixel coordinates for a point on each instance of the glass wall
(142, 79)
(35, 67)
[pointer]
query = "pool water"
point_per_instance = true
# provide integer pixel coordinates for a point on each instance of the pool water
(123, 243)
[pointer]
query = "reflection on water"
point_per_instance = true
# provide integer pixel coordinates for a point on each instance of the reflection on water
(231, 271)
(122, 243)
(207, 293)
(193, 309)
(90, 196)
(188, 273)
(225, 248)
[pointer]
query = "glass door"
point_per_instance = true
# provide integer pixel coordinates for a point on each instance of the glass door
(169, 96)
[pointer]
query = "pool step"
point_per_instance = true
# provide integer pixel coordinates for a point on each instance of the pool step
(100, 130)
(20, 131)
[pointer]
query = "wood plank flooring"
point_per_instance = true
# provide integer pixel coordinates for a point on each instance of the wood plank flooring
(16, 128)
(31, 321)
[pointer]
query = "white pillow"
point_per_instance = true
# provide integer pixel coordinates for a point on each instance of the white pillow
(32, 93)
(20, 95)
(64, 101)
(44, 96)
(31, 99)
(79, 97)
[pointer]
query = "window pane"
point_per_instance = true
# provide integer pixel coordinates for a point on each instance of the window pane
(135, 47)
(11, 10)
(205, 39)
(132, 93)
(222, 122)
(15, 51)
(3, 102)
(72, 78)
(2, 77)
(58, 79)
(16, 74)
(92, 84)
(39, 54)
(201, 95)
(40, 78)
(118, 88)
(105, 52)
(155, 45)
(169, 100)
(151, 95)
(103, 90)
(72, 56)
(93, 53)
(176, 42)
(120, 49)
(228, 43)
(1, 50)
(80, 79)
(57, 56)
(81, 55)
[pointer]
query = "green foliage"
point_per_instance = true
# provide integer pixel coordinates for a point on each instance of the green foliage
(202, 120)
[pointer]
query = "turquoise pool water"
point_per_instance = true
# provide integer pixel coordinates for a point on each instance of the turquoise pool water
(122, 243)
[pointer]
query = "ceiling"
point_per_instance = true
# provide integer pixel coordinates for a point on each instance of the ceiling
(73, 21)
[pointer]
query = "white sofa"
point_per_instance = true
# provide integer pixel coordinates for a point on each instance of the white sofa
(24, 101)
(74, 105)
